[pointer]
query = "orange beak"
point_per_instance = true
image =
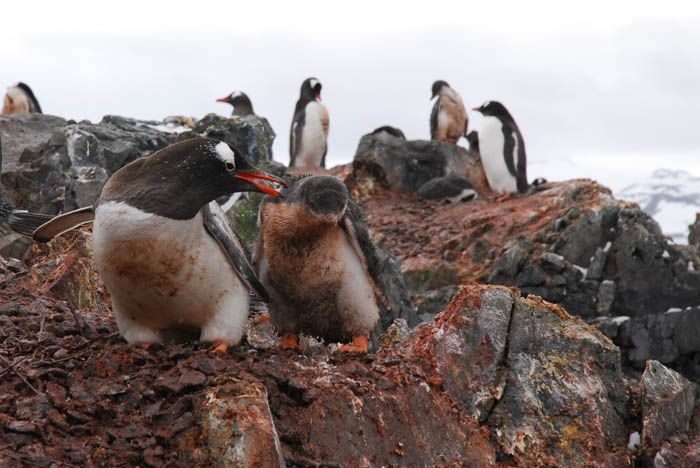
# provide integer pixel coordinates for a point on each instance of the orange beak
(478, 109)
(254, 177)
(223, 99)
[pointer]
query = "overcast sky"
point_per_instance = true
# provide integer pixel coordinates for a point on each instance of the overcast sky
(609, 90)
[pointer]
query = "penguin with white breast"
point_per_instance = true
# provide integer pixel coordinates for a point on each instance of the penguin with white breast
(308, 136)
(20, 98)
(502, 150)
(315, 258)
(164, 248)
(241, 103)
(448, 120)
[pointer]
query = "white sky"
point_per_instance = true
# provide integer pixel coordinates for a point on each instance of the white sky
(604, 89)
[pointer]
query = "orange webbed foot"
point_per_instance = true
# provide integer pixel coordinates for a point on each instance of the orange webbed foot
(289, 341)
(360, 344)
(503, 197)
(219, 346)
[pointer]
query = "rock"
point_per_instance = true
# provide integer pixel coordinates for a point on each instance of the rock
(251, 134)
(453, 188)
(667, 404)
(606, 296)
(405, 166)
(238, 426)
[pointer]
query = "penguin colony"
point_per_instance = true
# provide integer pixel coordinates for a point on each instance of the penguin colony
(170, 259)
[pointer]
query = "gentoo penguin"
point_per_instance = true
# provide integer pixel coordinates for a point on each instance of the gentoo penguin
(309, 133)
(20, 98)
(315, 258)
(240, 102)
(165, 249)
(502, 150)
(393, 131)
(448, 120)
(451, 188)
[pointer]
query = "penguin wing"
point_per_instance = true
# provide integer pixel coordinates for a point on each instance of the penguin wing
(357, 233)
(57, 225)
(325, 123)
(295, 135)
(434, 119)
(521, 164)
(216, 224)
(509, 148)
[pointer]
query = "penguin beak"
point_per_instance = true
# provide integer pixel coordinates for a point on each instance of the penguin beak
(223, 99)
(478, 109)
(253, 177)
(318, 96)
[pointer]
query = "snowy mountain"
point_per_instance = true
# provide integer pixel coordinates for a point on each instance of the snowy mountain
(671, 197)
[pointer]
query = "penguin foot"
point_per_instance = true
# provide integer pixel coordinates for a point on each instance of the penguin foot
(289, 341)
(219, 346)
(359, 344)
(503, 197)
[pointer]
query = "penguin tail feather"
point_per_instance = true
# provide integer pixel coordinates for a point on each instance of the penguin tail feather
(55, 226)
(23, 222)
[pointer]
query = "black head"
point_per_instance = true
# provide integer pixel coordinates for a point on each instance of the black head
(180, 179)
(311, 89)
(494, 109)
(240, 101)
(325, 197)
(437, 87)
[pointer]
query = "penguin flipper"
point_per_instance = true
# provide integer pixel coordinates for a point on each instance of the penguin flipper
(295, 135)
(521, 164)
(63, 223)
(509, 141)
(356, 230)
(216, 224)
(24, 222)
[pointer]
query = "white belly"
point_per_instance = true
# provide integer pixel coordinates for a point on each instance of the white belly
(491, 142)
(356, 298)
(162, 273)
(313, 136)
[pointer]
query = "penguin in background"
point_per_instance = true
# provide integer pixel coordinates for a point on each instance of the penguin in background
(502, 151)
(448, 120)
(20, 98)
(164, 248)
(316, 260)
(241, 103)
(308, 136)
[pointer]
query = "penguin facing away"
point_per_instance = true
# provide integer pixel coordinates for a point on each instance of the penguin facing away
(241, 103)
(314, 256)
(164, 248)
(448, 119)
(20, 98)
(308, 136)
(502, 150)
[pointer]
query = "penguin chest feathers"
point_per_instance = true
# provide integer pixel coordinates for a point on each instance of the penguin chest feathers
(162, 272)
(314, 135)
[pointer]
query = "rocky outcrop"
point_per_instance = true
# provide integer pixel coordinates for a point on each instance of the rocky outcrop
(571, 243)
(405, 165)
(494, 379)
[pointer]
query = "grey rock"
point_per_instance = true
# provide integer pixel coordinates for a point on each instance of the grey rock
(405, 166)
(251, 134)
(606, 296)
(595, 269)
(552, 262)
(511, 261)
(694, 232)
(667, 404)
(687, 331)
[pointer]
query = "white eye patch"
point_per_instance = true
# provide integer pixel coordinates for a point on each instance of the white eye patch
(313, 83)
(486, 104)
(235, 94)
(225, 153)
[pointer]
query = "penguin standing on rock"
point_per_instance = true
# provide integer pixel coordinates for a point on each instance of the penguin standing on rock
(314, 256)
(240, 102)
(502, 150)
(165, 249)
(308, 136)
(20, 98)
(448, 120)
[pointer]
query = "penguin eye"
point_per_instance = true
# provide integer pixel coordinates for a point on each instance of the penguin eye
(229, 166)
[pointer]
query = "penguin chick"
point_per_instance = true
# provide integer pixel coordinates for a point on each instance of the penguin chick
(312, 255)
(308, 136)
(20, 98)
(502, 150)
(240, 102)
(164, 248)
(448, 120)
